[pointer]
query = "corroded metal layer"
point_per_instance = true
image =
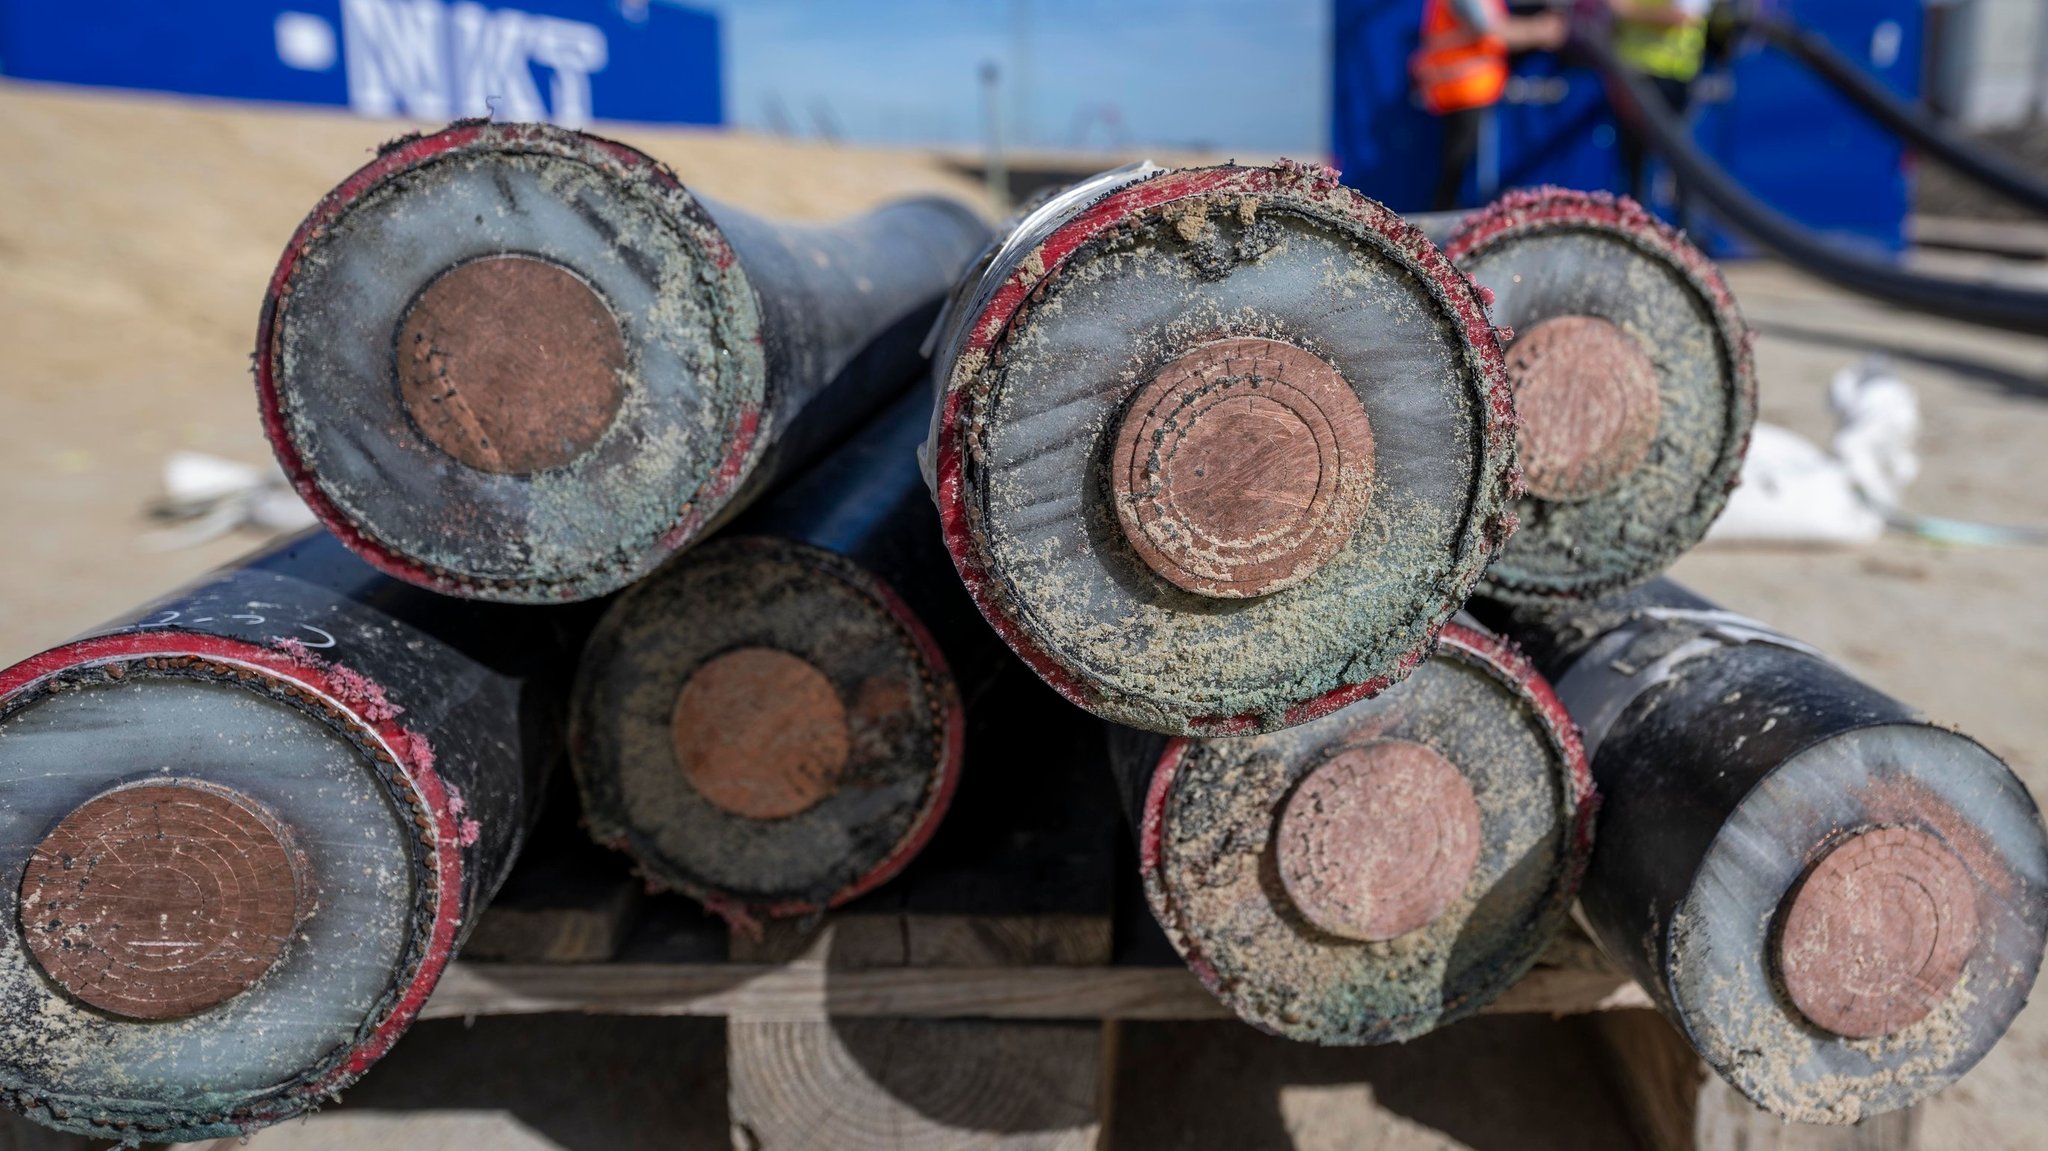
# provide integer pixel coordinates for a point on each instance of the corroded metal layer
(161, 900)
(511, 365)
(1378, 840)
(1242, 467)
(760, 733)
(1587, 396)
(1876, 935)
(1144, 589)
(1635, 383)
(1370, 948)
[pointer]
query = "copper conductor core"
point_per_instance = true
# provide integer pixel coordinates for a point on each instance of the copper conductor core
(1378, 840)
(1242, 467)
(511, 365)
(1587, 395)
(760, 733)
(162, 900)
(1877, 934)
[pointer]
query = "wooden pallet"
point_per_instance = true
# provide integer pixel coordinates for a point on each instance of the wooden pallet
(1042, 996)
(975, 1001)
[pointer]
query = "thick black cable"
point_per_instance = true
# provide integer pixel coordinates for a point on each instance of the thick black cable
(1643, 113)
(1906, 119)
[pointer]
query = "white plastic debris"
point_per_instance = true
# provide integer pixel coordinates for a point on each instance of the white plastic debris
(196, 480)
(208, 497)
(1792, 491)
(1877, 422)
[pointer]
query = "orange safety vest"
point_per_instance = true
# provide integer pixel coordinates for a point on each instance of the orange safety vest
(1458, 67)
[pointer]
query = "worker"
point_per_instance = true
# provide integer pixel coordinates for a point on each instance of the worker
(1666, 41)
(1461, 70)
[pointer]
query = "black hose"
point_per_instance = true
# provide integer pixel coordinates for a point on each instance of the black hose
(1644, 114)
(1903, 118)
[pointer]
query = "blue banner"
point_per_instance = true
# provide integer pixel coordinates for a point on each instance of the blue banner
(556, 60)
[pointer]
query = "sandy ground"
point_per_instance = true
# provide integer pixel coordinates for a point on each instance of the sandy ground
(135, 240)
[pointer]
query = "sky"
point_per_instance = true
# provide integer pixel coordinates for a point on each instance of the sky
(1224, 74)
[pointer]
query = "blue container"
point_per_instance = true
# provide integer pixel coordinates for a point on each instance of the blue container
(1805, 149)
(1383, 142)
(556, 60)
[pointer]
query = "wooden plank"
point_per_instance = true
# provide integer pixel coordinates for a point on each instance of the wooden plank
(1012, 901)
(587, 930)
(854, 941)
(2018, 239)
(811, 991)
(1658, 1076)
(913, 1084)
(1675, 1104)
